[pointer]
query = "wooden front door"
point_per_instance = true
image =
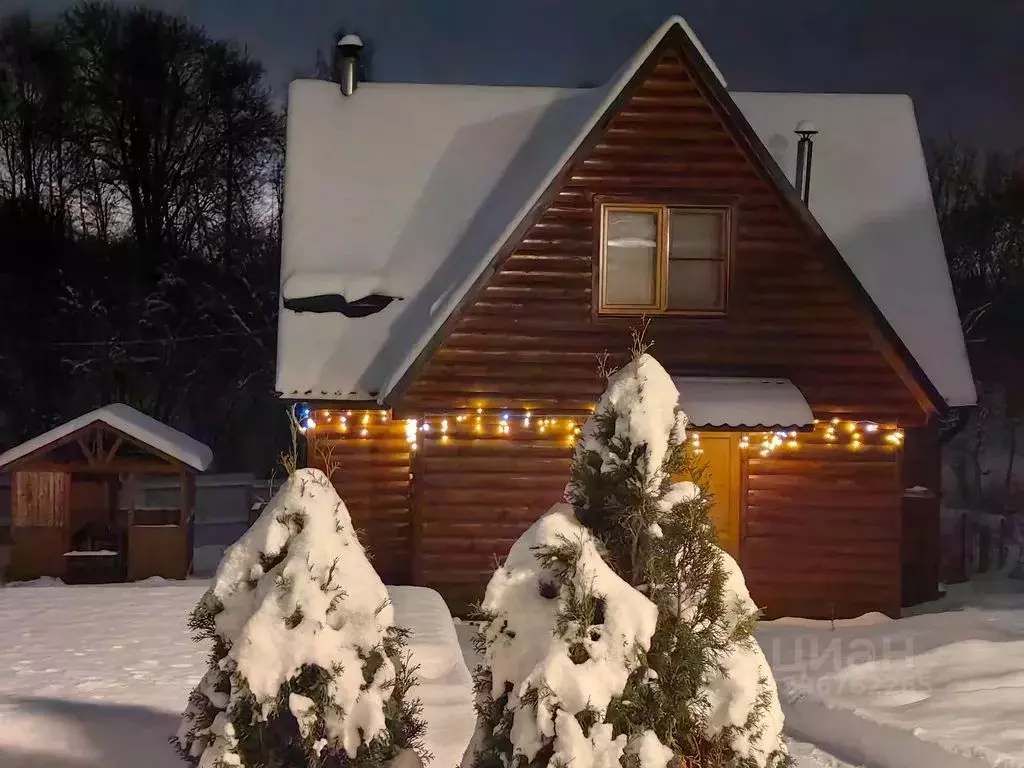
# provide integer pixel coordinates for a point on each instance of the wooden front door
(722, 458)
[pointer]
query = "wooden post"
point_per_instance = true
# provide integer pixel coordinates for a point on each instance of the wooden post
(188, 502)
(416, 463)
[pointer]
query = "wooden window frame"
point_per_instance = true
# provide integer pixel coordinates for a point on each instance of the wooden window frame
(723, 207)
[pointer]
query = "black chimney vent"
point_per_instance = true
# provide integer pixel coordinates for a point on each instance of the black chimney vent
(346, 62)
(804, 149)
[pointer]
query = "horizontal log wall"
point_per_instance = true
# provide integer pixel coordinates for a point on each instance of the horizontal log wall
(821, 530)
(372, 476)
(473, 497)
(528, 339)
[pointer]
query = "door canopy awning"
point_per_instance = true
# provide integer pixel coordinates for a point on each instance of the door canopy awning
(743, 403)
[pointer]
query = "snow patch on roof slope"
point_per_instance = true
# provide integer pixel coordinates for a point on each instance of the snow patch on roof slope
(131, 422)
(410, 186)
(425, 203)
(870, 193)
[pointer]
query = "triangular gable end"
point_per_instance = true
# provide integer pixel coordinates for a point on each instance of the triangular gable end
(673, 37)
(80, 444)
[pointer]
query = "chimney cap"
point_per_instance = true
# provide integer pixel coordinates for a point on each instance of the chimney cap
(354, 41)
(806, 127)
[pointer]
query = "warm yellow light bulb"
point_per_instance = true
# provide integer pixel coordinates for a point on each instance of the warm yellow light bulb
(792, 444)
(364, 432)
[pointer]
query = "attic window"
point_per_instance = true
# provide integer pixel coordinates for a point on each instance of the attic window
(664, 259)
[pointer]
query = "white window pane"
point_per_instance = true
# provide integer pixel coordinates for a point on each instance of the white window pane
(631, 258)
(695, 285)
(630, 276)
(693, 235)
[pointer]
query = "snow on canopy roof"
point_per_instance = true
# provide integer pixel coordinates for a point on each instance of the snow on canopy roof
(419, 185)
(131, 422)
(742, 403)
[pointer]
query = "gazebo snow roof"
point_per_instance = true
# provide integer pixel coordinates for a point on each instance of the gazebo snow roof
(126, 420)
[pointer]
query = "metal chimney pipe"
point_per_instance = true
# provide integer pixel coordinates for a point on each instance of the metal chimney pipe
(346, 65)
(804, 151)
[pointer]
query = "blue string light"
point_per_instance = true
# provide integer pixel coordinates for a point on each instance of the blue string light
(304, 416)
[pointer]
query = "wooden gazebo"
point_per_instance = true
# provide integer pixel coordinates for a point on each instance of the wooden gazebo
(76, 508)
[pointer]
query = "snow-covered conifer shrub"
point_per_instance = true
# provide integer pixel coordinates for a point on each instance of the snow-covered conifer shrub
(617, 632)
(307, 668)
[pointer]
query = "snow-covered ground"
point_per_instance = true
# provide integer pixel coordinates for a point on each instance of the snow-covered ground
(97, 676)
(943, 688)
(805, 754)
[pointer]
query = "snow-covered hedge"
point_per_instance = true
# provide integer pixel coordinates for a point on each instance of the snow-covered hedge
(617, 633)
(307, 667)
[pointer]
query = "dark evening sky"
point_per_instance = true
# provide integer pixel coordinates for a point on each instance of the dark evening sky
(961, 61)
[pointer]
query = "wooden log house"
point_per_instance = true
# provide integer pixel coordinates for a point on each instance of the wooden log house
(75, 511)
(456, 258)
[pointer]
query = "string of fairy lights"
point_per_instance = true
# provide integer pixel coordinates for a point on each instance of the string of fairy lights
(358, 424)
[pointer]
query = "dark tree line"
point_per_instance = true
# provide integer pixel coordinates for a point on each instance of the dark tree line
(980, 202)
(140, 199)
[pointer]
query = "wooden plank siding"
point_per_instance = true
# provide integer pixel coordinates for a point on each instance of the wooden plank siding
(529, 337)
(821, 530)
(820, 526)
(372, 476)
(40, 499)
(474, 496)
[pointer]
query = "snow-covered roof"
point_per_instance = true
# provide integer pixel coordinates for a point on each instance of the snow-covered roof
(412, 188)
(870, 193)
(132, 423)
(742, 403)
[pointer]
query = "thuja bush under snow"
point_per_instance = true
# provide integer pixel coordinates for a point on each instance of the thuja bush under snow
(307, 667)
(617, 632)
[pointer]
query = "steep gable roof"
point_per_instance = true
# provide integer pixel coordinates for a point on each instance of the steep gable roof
(414, 189)
(125, 419)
